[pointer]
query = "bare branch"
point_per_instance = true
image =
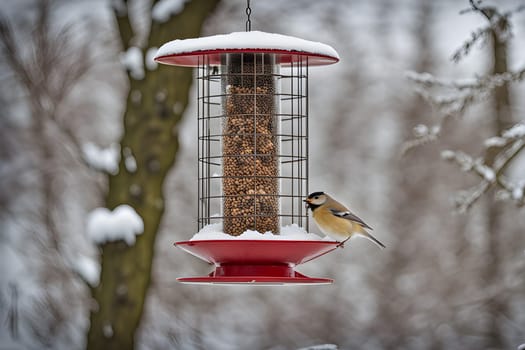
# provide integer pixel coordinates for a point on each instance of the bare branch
(476, 36)
(464, 201)
(485, 11)
(504, 159)
(121, 11)
(11, 53)
(499, 25)
(12, 317)
(65, 65)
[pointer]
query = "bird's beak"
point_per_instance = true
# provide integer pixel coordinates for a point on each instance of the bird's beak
(306, 203)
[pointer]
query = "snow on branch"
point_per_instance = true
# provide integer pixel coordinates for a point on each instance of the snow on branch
(499, 24)
(123, 223)
(488, 82)
(516, 132)
(149, 58)
(511, 142)
(465, 199)
(468, 164)
(164, 9)
(324, 347)
(476, 36)
(103, 159)
(133, 61)
(88, 269)
(451, 97)
(422, 135)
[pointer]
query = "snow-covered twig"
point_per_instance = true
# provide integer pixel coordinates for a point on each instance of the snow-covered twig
(511, 190)
(488, 82)
(465, 199)
(464, 50)
(499, 24)
(457, 96)
(422, 135)
(163, 10)
(512, 142)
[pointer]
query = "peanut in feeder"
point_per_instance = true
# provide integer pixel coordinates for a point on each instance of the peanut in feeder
(250, 144)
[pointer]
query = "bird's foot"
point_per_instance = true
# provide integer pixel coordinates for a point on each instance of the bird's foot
(342, 244)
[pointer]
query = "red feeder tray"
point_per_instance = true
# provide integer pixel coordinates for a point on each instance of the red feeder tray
(262, 262)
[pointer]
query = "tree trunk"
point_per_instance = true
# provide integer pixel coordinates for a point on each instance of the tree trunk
(406, 189)
(155, 106)
(502, 120)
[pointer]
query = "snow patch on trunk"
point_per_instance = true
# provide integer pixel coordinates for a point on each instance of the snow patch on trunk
(123, 223)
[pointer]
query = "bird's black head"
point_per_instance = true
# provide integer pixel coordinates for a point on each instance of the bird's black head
(315, 195)
(315, 200)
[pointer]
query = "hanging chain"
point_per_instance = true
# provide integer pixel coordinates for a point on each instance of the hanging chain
(248, 13)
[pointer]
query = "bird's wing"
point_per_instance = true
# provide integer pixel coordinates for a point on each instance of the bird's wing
(349, 216)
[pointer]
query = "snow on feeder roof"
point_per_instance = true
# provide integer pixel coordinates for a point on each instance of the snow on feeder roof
(252, 155)
(287, 49)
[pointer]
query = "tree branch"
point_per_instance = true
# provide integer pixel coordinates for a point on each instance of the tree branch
(11, 53)
(490, 176)
(121, 11)
(485, 11)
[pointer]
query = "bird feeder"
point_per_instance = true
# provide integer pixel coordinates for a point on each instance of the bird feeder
(252, 116)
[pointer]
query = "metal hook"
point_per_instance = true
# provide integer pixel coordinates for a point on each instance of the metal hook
(248, 13)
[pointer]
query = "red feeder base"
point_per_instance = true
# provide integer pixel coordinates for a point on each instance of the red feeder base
(266, 262)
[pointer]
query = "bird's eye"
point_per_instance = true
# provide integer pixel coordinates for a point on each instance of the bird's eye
(316, 197)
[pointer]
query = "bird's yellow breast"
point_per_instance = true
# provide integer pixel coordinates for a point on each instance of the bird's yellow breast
(331, 224)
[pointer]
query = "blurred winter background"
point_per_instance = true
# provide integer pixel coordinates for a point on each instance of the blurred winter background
(432, 161)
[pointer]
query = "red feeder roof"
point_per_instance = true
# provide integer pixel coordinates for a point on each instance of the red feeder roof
(189, 52)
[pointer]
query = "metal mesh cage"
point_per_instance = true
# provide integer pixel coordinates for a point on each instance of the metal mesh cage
(253, 142)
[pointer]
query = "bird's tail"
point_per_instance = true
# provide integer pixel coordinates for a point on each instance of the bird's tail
(372, 238)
